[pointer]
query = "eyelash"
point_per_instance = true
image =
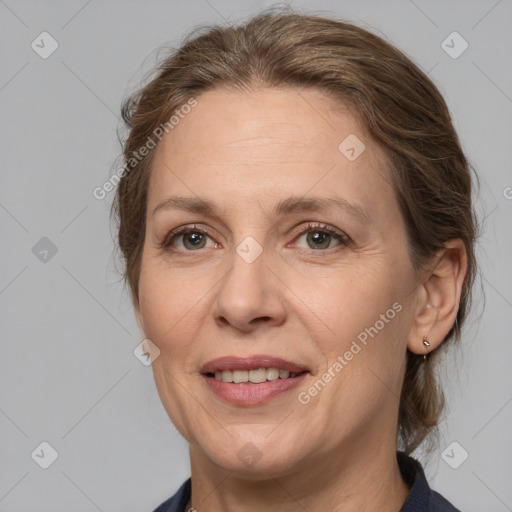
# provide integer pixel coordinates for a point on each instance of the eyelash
(311, 226)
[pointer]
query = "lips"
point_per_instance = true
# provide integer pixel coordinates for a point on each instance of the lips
(253, 380)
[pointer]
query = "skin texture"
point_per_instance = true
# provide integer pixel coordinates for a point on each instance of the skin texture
(245, 152)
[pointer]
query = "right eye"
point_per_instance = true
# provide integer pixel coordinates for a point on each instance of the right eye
(191, 238)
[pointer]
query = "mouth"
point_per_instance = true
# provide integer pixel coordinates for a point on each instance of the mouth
(252, 381)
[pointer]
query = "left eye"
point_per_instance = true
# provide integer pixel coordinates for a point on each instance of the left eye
(321, 237)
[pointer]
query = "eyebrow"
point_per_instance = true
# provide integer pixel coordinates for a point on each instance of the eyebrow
(286, 206)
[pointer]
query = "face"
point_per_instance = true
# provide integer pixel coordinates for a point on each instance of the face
(274, 254)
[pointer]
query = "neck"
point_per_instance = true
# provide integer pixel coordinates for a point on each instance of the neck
(351, 481)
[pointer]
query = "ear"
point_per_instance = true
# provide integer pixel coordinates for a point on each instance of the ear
(439, 297)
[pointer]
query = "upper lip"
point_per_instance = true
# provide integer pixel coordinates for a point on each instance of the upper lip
(251, 363)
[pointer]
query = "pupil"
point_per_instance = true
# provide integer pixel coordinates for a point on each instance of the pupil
(319, 238)
(196, 237)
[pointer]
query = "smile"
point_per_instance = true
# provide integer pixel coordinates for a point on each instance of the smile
(253, 380)
(254, 376)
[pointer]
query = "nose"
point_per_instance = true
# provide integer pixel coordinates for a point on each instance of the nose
(250, 296)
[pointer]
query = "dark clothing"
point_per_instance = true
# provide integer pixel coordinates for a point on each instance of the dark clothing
(421, 497)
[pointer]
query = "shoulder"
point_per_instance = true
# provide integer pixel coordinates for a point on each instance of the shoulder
(178, 502)
(421, 497)
(441, 504)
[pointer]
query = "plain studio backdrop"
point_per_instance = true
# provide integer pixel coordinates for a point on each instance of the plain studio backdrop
(73, 395)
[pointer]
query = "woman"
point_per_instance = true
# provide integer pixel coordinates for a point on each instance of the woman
(296, 221)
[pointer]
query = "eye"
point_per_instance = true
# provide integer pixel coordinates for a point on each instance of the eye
(320, 236)
(191, 238)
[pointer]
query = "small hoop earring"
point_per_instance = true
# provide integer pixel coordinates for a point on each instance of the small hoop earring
(426, 344)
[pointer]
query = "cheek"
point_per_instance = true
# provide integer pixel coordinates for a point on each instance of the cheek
(170, 309)
(364, 328)
(352, 299)
(169, 306)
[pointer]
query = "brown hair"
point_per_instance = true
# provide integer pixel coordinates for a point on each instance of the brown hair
(400, 107)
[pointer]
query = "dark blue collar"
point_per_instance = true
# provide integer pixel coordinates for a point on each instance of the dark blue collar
(421, 497)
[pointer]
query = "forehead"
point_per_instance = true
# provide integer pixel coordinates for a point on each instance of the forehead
(262, 122)
(266, 145)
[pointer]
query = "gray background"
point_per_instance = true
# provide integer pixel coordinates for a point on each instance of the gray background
(68, 375)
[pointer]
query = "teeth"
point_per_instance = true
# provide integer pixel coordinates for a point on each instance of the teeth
(258, 376)
(255, 376)
(272, 373)
(240, 376)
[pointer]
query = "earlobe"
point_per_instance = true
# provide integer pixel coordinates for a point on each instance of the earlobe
(439, 298)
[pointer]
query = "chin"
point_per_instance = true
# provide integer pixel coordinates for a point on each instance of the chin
(253, 456)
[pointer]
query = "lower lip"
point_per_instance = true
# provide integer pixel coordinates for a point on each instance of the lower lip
(252, 394)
